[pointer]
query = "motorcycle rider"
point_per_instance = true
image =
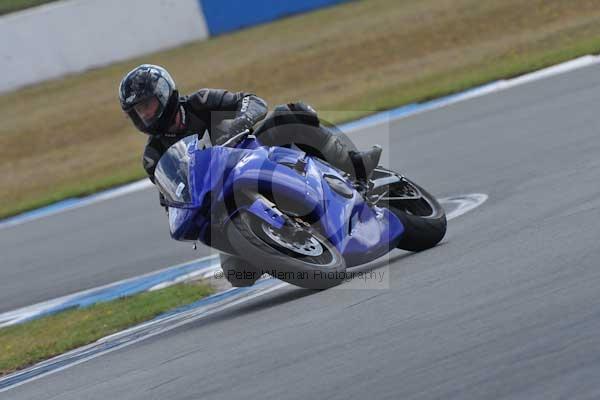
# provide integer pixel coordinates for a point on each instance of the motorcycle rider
(149, 96)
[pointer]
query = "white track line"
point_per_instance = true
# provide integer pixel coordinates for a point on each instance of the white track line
(201, 268)
(463, 204)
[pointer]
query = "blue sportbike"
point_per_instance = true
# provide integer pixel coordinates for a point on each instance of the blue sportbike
(291, 214)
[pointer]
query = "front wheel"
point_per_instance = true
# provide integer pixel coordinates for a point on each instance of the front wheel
(300, 256)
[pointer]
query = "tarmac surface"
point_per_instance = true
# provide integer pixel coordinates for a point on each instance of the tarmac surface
(85, 248)
(507, 306)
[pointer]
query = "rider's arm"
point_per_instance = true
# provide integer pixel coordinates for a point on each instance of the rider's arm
(152, 152)
(240, 111)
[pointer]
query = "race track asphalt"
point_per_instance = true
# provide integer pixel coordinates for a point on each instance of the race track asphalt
(508, 305)
(85, 248)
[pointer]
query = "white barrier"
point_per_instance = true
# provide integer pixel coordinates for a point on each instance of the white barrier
(74, 35)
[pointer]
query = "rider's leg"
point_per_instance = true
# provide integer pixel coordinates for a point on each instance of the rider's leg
(340, 152)
(299, 124)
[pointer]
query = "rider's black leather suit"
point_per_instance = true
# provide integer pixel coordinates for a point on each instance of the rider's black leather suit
(223, 114)
(220, 112)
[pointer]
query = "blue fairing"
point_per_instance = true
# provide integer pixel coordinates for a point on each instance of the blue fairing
(361, 232)
(224, 180)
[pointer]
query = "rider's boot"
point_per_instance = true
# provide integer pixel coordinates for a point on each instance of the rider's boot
(238, 272)
(365, 162)
(341, 153)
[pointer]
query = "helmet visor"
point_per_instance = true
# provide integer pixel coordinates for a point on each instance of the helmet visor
(149, 110)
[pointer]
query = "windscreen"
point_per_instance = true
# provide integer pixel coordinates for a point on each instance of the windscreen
(171, 174)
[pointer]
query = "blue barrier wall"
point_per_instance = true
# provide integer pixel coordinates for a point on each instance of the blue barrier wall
(226, 16)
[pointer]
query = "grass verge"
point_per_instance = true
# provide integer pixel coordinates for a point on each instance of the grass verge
(8, 6)
(26, 344)
(68, 137)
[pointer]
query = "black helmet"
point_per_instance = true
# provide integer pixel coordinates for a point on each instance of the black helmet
(149, 96)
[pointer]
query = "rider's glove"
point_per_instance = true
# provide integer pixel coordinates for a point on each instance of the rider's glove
(228, 128)
(163, 201)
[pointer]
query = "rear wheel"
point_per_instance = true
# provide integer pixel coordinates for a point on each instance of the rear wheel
(298, 255)
(423, 217)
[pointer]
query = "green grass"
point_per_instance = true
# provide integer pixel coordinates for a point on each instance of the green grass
(29, 343)
(58, 140)
(8, 6)
(73, 190)
(455, 81)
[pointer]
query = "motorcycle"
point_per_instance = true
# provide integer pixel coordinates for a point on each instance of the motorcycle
(290, 214)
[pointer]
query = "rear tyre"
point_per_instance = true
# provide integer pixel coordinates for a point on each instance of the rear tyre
(303, 258)
(423, 217)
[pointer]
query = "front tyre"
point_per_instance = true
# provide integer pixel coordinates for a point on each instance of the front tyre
(299, 256)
